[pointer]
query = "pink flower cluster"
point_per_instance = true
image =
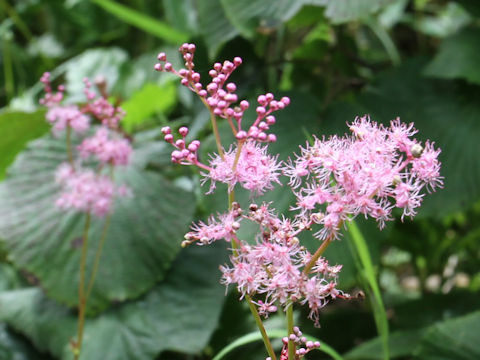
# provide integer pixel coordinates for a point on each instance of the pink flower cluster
(371, 172)
(273, 267)
(247, 163)
(84, 189)
(107, 146)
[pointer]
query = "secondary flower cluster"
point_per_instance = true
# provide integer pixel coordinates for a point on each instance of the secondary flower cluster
(84, 189)
(371, 172)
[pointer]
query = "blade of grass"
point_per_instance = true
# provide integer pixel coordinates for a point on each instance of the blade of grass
(272, 334)
(366, 267)
(143, 22)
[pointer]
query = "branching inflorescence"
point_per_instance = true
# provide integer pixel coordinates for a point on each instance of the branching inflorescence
(371, 172)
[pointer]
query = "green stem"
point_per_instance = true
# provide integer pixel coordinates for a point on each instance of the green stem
(82, 301)
(69, 145)
(97, 257)
(317, 254)
(258, 321)
(291, 344)
(385, 39)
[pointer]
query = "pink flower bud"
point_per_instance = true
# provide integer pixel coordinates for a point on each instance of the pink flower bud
(261, 110)
(168, 138)
(168, 66)
(180, 143)
(272, 138)
(241, 135)
(237, 60)
(162, 56)
(183, 131)
(270, 119)
(158, 67)
(231, 87)
(244, 104)
(166, 130)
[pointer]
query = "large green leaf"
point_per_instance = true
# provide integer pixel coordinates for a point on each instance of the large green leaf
(401, 344)
(458, 57)
(443, 112)
(247, 16)
(455, 339)
(93, 63)
(178, 314)
(340, 11)
(17, 129)
(142, 241)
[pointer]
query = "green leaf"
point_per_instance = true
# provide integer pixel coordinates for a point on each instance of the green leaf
(458, 57)
(143, 22)
(272, 334)
(12, 347)
(17, 129)
(365, 265)
(181, 14)
(216, 32)
(179, 314)
(401, 344)
(433, 106)
(91, 64)
(248, 16)
(149, 100)
(455, 339)
(340, 11)
(143, 239)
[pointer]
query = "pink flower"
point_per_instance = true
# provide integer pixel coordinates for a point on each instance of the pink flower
(114, 151)
(369, 173)
(85, 191)
(254, 169)
(69, 115)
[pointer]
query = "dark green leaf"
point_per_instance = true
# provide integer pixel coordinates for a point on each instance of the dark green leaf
(143, 239)
(178, 314)
(401, 343)
(458, 57)
(340, 11)
(455, 339)
(214, 25)
(247, 16)
(182, 15)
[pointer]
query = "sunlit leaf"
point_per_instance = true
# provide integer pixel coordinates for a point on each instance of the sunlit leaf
(17, 129)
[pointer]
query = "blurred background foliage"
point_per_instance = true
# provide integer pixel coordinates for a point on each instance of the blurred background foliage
(416, 59)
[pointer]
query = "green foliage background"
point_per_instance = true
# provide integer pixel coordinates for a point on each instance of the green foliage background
(335, 59)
